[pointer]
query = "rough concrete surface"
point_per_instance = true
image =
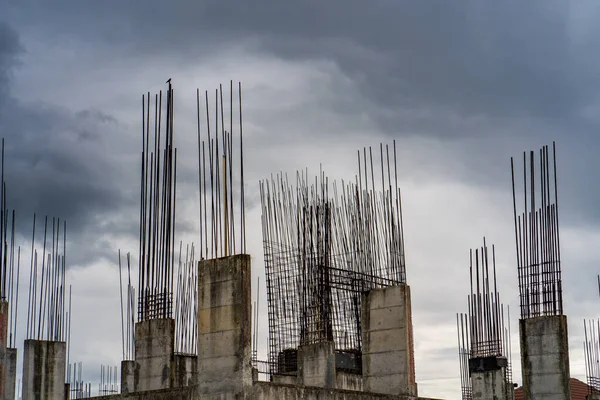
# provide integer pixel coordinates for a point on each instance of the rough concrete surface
(545, 358)
(316, 365)
(489, 385)
(154, 354)
(127, 376)
(224, 326)
(388, 357)
(11, 373)
(44, 370)
(3, 344)
(186, 370)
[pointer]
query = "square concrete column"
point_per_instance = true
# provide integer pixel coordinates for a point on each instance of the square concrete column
(154, 354)
(11, 372)
(44, 370)
(316, 365)
(186, 370)
(127, 376)
(224, 326)
(4, 309)
(488, 378)
(387, 338)
(545, 358)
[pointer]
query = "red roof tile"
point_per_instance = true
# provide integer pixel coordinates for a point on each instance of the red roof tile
(579, 390)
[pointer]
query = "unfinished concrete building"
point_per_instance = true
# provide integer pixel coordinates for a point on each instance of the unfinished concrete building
(340, 322)
(483, 335)
(543, 326)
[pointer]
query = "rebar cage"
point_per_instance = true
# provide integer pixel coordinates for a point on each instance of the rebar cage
(323, 249)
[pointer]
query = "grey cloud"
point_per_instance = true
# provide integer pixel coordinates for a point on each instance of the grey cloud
(489, 58)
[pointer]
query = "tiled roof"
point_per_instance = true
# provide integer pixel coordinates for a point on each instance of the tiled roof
(579, 390)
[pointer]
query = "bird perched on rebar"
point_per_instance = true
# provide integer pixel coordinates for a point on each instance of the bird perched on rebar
(168, 80)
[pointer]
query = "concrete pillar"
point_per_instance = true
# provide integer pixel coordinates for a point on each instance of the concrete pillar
(186, 370)
(127, 376)
(11, 372)
(316, 365)
(545, 358)
(44, 370)
(387, 337)
(154, 354)
(224, 326)
(3, 344)
(488, 378)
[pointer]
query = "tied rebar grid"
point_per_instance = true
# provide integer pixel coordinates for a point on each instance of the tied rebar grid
(323, 248)
(109, 383)
(186, 303)
(537, 237)
(127, 311)
(483, 331)
(462, 328)
(47, 315)
(465, 351)
(157, 209)
(485, 310)
(78, 388)
(220, 158)
(591, 349)
(9, 279)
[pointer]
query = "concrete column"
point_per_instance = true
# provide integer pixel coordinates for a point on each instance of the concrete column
(488, 378)
(316, 365)
(224, 326)
(127, 376)
(186, 370)
(545, 358)
(44, 370)
(11, 372)
(154, 354)
(387, 337)
(3, 344)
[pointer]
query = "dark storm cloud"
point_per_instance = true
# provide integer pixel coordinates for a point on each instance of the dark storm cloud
(55, 161)
(474, 58)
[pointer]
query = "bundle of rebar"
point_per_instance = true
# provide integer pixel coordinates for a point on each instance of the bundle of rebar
(483, 331)
(220, 157)
(186, 303)
(157, 210)
(78, 388)
(47, 307)
(127, 312)
(537, 236)
(323, 248)
(485, 310)
(9, 279)
(108, 380)
(591, 349)
(464, 354)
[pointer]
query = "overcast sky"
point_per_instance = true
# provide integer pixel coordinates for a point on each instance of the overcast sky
(460, 85)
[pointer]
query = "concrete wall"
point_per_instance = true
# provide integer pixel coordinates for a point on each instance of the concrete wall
(163, 394)
(545, 358)
(44, 370)
(260, 391)
(154, 354)
(186, 370)
(11, 373)
(127, 376)
(316, 365)
(270, 391)
(387, 359)
(224, 325)
(489, 385)
(348, 381)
